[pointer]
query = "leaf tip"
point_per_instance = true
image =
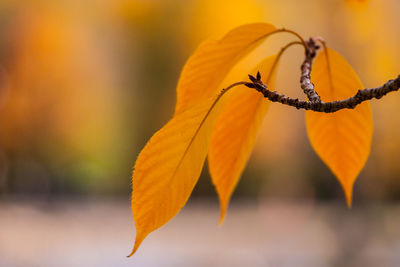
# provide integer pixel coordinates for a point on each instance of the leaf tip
(138, 241)
(222, 216)
(348, 192)
(133, 250)
(349, 200)
(131, 254)
(224, 202)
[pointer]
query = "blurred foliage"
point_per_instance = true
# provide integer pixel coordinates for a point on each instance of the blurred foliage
(84, 84)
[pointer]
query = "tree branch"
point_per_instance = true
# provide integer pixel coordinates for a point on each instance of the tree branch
(327, 107)
(315, 103)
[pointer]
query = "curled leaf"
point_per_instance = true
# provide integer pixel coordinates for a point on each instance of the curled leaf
(341, 139)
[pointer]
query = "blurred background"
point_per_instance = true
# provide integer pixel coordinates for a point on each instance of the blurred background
(84, 85)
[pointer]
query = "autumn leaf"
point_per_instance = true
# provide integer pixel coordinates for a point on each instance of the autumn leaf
(341, 139)
(169, 166)
(235, 132)
(213, 59)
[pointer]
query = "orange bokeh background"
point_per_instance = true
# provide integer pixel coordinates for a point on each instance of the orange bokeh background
(84, 85)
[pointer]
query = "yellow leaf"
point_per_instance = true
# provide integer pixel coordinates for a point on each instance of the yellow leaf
(209, 64)
(341, 139)
(235, 132)
(169, 166)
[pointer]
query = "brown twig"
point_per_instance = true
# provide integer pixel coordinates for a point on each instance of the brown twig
(327, 107)
(305, 78)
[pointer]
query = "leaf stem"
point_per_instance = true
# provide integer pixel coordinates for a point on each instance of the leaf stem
(278, 57)
(297, 35)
